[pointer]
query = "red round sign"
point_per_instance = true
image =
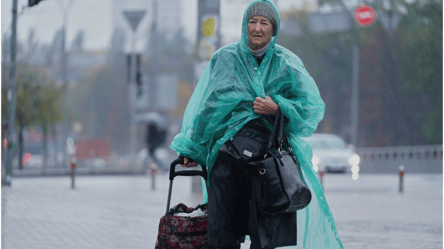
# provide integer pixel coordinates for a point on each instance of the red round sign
(365, 15)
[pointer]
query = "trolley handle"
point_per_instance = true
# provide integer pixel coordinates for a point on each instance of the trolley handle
(179, 161)
(174, 173)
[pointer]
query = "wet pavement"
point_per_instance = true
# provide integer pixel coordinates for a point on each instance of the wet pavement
(371, 213)
(123, 212)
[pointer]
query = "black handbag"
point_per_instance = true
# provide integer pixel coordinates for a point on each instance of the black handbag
(249, 144)
(283, 189)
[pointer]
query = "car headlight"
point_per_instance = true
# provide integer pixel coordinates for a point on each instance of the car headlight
(355, 169)
(315, 162)
(354, 160)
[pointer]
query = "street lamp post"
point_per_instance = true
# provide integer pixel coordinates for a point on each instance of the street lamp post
(11, 100)
(133, 18)
(154, 65)
(132, 99)
(64, 11)
(354, 117)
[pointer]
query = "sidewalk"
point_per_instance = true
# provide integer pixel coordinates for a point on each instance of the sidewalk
(122, 212)
(102, 212)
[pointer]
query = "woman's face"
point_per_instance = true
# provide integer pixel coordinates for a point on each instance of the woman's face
(260, 31)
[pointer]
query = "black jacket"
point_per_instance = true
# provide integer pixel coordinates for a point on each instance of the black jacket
(274, 230)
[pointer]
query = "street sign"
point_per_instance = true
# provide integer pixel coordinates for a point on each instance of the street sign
(365, 15)
(134, 17)
(71, 148)
(208, 35)
(70, 142)
(210, 25)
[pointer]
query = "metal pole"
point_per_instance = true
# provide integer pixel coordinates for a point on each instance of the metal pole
(355, 80)
(63, 54)
(152, 105)
(65, 84)
(355, 95)
(169, 197)
(132, 99)
(11, 100)
(153, 73)
(401, 178)
(153, 178)
(64, 11)
(73, 171)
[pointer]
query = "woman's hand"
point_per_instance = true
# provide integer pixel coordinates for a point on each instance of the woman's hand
(265, 106)
(189, 163)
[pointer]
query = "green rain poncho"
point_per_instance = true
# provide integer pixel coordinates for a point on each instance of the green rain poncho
(222, 104)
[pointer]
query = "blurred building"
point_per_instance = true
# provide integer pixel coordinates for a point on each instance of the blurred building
(169, 17)
(231, 14)
(77, 43)
(79, 61)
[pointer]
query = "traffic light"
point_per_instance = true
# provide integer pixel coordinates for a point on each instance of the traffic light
(139, 84)
(138, 74)
(128, 67)
(33, 2)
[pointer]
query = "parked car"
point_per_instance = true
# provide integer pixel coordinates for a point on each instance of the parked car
(332, 154)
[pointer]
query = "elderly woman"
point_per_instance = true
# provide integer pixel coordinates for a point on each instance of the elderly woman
(227, 124)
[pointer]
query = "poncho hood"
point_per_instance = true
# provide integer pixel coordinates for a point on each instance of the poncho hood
(243, 41)
(222, 103)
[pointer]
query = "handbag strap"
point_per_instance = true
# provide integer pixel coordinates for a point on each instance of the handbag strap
(277, 137)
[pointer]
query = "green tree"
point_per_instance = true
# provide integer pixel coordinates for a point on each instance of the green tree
(50, 111)
(421, 65)
(38, 103)
(5, 86)
(27, 99)
(400, 73)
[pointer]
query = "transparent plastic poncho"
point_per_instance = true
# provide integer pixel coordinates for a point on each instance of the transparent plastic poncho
(222, 104)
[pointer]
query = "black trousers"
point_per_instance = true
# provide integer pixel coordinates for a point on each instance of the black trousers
(229, 196)
(230, 215)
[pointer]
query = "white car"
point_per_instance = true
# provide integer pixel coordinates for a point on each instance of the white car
(332, 154)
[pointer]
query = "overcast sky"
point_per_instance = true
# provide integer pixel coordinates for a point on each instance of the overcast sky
(94, 18)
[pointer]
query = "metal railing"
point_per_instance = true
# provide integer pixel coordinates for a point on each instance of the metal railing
(416, 159)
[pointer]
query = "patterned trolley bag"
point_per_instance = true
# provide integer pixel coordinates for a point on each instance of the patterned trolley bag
(183, 227)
